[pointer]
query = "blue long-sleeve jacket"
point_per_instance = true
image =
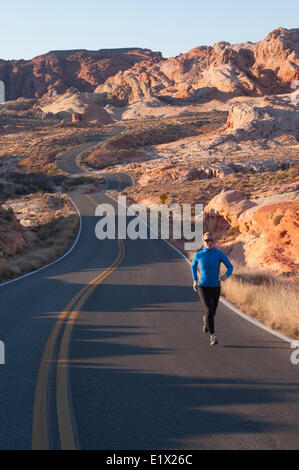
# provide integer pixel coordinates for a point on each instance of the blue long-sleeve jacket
(209, 261)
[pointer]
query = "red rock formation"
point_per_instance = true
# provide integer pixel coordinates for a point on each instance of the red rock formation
(61, 70)
(279, 52)
(266, 232)
(221, 71)
(279, 224)
(127, 75)
(93, 113)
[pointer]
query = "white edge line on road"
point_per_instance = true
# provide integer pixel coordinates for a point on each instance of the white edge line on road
(129, 174)
(255, 322)
(226, 302)
(55, 261)
(106, 187)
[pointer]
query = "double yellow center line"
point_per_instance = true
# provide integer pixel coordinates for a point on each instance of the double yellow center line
(41, 412)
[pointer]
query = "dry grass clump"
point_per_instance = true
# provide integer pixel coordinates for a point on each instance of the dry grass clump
(269, 299)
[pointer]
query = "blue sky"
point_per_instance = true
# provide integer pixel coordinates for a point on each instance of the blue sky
(29, 28)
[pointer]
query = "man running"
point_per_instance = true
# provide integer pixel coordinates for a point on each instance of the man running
(208, 259)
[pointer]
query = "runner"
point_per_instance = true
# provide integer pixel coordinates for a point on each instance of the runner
(208, 259)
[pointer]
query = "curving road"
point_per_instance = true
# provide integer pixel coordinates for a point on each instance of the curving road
(104, 350)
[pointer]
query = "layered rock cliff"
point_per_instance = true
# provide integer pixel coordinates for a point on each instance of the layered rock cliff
(60, 70)
(264, 231)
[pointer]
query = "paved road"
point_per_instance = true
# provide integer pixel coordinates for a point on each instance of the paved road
(104, 350)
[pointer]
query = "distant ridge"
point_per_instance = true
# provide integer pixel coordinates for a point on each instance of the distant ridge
(125, 75)
(63, 69)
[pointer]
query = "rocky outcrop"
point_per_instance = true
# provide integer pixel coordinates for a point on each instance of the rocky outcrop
(93, 113)
(245, 121)
(13, 236)
(72, 106)
(57, 71)
(224, 210)
(220, 71)
(263, 124)
(261, 233)
(220, 169)
(278, 56)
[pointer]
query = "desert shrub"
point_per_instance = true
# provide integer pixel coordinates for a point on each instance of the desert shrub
(53, 171)
(7, 272)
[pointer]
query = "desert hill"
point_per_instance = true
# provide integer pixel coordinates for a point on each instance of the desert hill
(60, 70)
(220, 71)
(123, 76)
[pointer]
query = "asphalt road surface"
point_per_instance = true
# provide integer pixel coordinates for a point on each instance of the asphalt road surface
(104, 350)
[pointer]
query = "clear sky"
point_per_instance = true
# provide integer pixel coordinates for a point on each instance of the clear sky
(32, 27)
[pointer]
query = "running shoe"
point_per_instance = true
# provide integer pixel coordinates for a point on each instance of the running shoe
(213, 340)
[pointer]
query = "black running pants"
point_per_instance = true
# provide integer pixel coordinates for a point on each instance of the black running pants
(209, 297)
